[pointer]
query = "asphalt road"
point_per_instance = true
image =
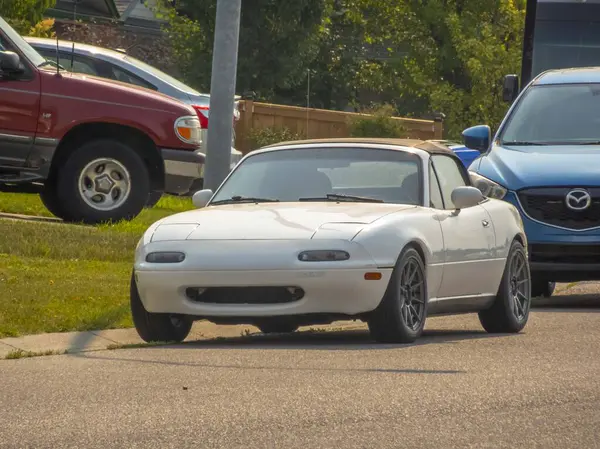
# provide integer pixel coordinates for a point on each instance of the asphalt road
(458, 387)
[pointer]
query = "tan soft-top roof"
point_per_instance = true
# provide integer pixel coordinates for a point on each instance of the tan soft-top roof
(425, 145)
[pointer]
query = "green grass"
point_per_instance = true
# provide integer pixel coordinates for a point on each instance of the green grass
(58, 277)
(21, 354)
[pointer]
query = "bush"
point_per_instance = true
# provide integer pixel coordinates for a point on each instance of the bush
(379, 122)
(260, 137)
(44, 28)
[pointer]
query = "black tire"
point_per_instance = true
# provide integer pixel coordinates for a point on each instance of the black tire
(49, 198)
(541, 288)
(153, 199)
(75, 207)
(395, 320)
(507, 315)
(156, 327)
(276, 326)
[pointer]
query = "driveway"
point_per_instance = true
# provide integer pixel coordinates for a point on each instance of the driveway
(458, 387)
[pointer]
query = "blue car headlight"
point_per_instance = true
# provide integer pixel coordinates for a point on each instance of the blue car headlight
(489, 188)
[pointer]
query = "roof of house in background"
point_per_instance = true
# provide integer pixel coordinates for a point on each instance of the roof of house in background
(130, 12)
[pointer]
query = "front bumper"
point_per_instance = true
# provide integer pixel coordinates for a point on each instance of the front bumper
(329, 287)
(183, 170)
(559, 254)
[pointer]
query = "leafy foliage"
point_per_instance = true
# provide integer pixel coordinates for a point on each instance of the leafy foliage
(22, 15)
(379, 122)
(457, 52)
(442, 55)
(44, 28)
(260, 137)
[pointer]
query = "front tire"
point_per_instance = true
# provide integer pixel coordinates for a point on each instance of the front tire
(103, 181)
(49, 197)
(156, 327)
(510, 311)
(400, 318)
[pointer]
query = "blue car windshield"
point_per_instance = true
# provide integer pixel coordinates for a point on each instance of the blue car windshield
(562, 114)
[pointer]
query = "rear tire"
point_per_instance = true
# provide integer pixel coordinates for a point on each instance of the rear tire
(400, 317)
(156, 327)
(541, 288)
(277, 327)
(510, 311)
(103, 181)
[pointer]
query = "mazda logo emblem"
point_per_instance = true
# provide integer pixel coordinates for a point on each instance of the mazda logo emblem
(578, 199)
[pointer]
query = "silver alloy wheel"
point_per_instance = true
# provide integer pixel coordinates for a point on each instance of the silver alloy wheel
(104, 184)
(520, 293)
(412, 294)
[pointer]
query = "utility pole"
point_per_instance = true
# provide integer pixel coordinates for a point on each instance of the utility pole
(222, 92)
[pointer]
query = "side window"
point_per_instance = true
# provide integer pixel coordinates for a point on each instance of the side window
(435, 194)
(449, 175)
(126, 77)
(80, 65)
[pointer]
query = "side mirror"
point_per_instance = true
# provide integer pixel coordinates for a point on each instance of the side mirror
(477, 138)
(510, 88)
(466, 196)
(10, 63)
(202, 197)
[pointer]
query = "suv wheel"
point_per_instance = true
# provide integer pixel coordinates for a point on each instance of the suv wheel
(103, 180)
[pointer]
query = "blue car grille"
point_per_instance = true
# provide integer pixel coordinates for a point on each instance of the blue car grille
(548, 205)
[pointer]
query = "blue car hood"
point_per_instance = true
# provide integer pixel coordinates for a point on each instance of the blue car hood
(541, 166)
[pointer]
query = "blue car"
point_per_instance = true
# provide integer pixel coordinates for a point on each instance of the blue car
(545, 159)
(466, 155)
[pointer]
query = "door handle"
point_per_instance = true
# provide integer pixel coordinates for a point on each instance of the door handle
(485, 223)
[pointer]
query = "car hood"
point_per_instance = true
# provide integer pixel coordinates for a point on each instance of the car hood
(273, 221)
(88, 87)
(541, 166)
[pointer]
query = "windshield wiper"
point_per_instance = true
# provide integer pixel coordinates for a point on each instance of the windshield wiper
(525, 143)
(590, 142)
(340, 197)
(244, 199)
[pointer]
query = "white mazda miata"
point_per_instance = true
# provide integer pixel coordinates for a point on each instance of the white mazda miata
(299, 233)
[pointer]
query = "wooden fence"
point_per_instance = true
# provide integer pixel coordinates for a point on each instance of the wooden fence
(314, 123)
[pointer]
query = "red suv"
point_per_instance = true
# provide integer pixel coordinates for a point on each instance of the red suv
(102, 150)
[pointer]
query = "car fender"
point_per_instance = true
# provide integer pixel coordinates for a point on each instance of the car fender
(387, 237)
(507, 223)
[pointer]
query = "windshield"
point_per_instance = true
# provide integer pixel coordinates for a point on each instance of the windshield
(564, 114)
(310, 174)
(23, 46)
(161, 75)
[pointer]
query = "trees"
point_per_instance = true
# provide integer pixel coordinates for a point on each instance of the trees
(277, 41)
(454, 53)
(457, 52)
(23, 15)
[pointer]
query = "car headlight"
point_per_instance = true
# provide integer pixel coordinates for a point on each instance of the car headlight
(187, 129)
(488, 187)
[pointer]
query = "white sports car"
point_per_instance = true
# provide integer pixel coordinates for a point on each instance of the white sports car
(307, 232)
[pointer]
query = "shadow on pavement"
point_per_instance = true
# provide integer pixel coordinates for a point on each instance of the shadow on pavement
(307, 340)
(564, 302)
(343, 340)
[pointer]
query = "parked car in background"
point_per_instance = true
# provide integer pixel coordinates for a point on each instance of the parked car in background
(545, 160)
(102, 150)
(118, 66)
(387, 231)
(466, 155)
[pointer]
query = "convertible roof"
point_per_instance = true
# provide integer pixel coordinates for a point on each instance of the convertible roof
(425, 145)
